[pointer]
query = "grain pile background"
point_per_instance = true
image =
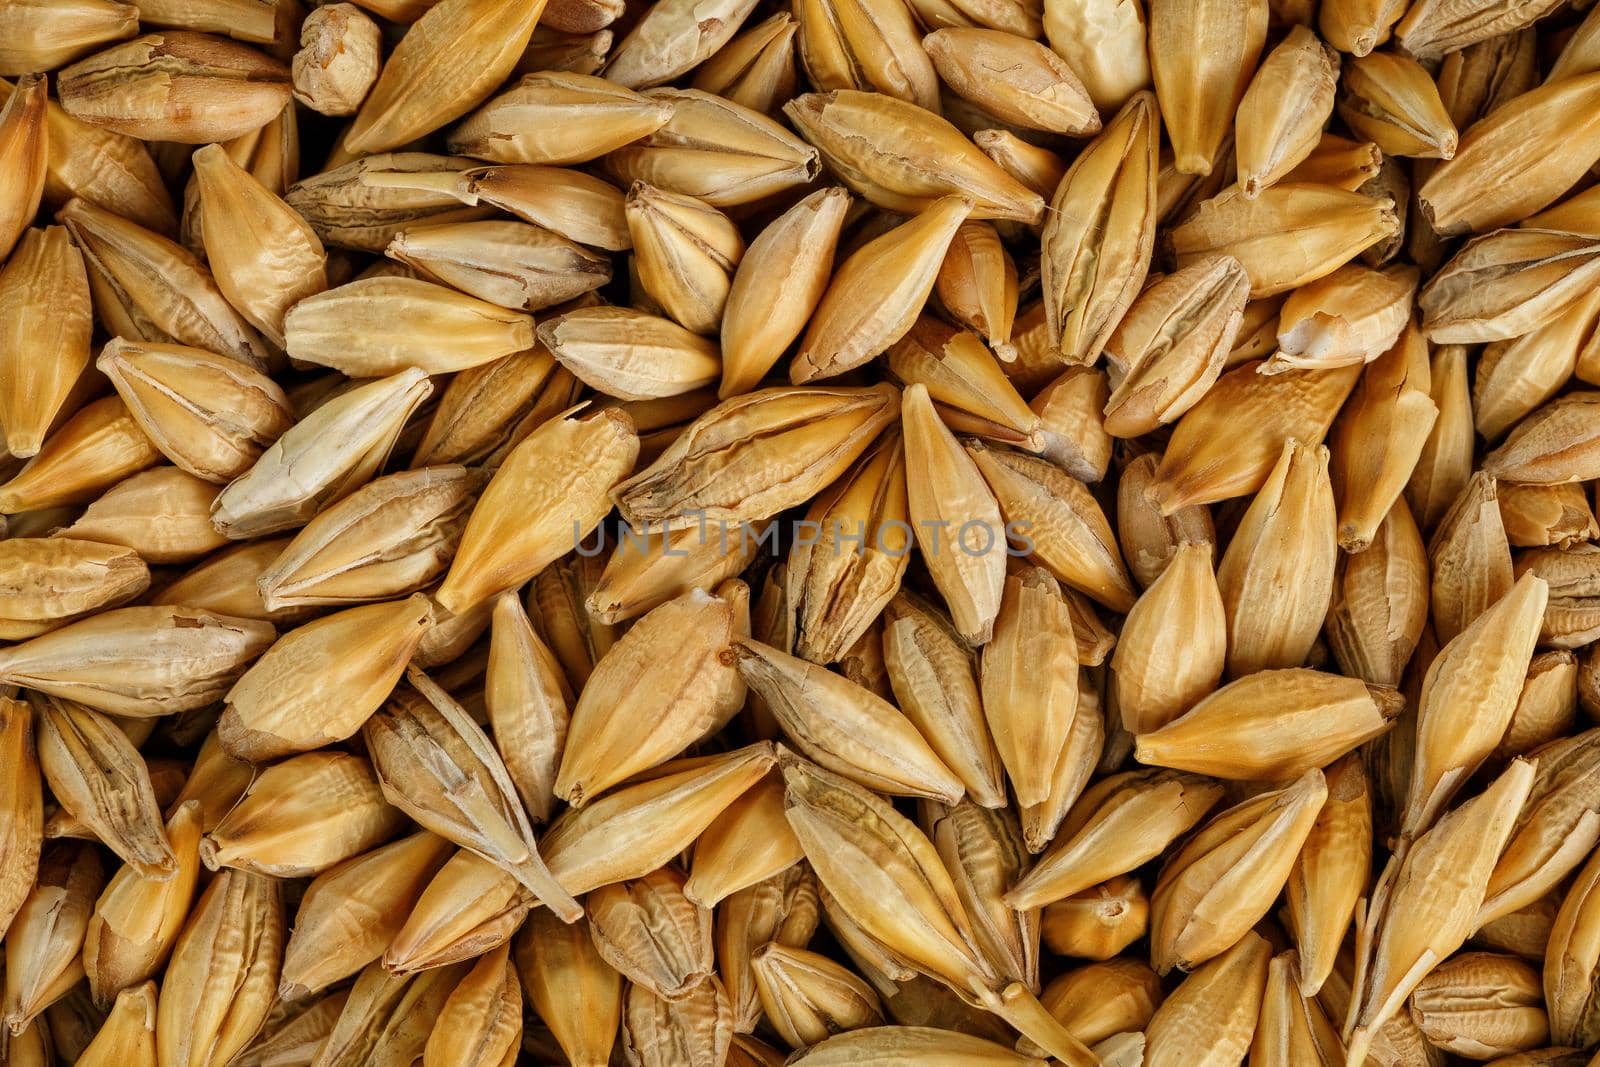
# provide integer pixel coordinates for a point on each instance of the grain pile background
(856, 533)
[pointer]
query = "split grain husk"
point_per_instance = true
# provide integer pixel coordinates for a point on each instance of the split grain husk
(1505, 284)
(224, 970)
(1291, 234)
(46, 582)
(841, 580)
(136, 920)
(1098, 238)
(755, 455)
(672, 39)
(1392, 101)
(1353, 315)
(755, 69)
(176, 86)
(435, 764)
(1452, 1006)
(388, 1018)
(977, 285)
(389, 538)
(322, 458)
(715, 150)
(211, 415)
(1553, 445)
(984, 851)
(139, 661)
(652, 934)
(1226, 877)
(362, 204)
(783, 909)
(935, 679)
(469, 907)
(866, 45)
(1293, 1028)
(1041, 91)
(45, 938)
(98, 776)
(1171, 345)
(1470, 558)
(1422, 917)
(861, 847)
(341, 52)
(809, 997)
